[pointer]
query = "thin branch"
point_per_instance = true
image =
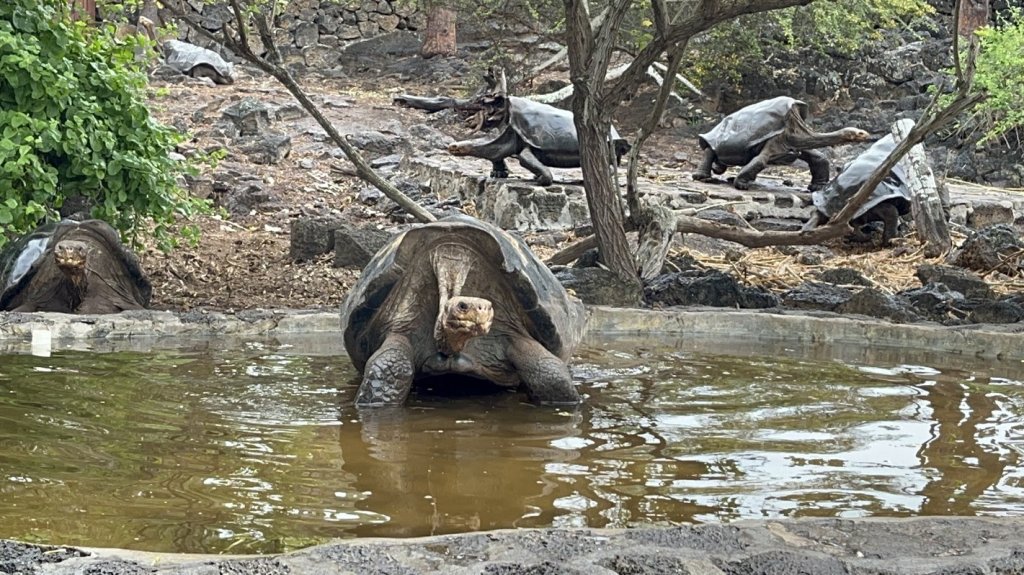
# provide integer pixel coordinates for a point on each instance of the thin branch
(282, 75)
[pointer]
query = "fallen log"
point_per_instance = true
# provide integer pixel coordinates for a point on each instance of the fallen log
(926, 204)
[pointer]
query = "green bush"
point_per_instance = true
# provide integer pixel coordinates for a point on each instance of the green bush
(1000, 73)
(73, 122)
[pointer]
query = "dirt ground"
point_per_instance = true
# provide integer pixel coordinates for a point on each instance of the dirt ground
(242, 262)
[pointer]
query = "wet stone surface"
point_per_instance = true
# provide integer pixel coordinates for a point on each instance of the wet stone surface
(821, 546)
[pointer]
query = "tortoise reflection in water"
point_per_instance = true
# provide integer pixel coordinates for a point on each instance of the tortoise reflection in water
(71, 267)
(460, 296)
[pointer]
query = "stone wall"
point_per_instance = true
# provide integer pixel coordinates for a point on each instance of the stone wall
(309, 32)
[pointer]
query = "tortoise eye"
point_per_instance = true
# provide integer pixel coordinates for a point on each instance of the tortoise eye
(463, 306)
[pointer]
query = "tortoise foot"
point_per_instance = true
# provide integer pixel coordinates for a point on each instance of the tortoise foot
(499, 174)
(816, 186)
(742, 184)
(388, 375)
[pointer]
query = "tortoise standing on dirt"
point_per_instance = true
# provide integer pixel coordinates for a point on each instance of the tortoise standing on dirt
(197, 62)
(71, 267)
(460, 296)
(890, 200)
(768, 133)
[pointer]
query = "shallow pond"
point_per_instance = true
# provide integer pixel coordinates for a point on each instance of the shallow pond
(256, 448)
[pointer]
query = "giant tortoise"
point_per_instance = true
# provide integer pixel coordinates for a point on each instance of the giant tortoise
(768, 133)
(890, 200)
(460, 296)
(537, 134)
(198, 62)
(71, 267)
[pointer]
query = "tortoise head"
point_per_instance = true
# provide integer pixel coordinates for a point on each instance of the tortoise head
(71, 256)
(854, 134)
(462, 319)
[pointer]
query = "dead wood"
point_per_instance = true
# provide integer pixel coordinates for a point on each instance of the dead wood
(926, 205)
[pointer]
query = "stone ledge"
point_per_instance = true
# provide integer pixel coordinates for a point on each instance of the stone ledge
(926, 545)
(167, 329)
(517, 204)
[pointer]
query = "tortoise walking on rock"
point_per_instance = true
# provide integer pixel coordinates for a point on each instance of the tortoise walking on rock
(538, 135)
(460, 296)
(71, 267)
(768, 133)
(890, 200)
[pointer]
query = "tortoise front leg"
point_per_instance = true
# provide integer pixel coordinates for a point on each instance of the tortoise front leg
(889, 215)
(749, 172)
(388, 375)
(819, 169)
(546, 378)
(530, 162)
(498, 168)
(703, 172)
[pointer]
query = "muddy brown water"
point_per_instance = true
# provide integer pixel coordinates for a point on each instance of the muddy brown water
(256, 448)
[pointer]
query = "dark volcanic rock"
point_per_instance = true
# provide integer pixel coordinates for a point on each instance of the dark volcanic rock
(355, 246)
(785, 562)
(312, 236)
(711, 288)
(815, 295)
(875, 303)
(250, 117)
(844, 277)
(997, 247)
(956, 279)
(936, 302)
(597, 286)
(267, 148)
(1003, 311)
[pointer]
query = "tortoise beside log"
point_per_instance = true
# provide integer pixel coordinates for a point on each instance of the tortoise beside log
(71, 267)
(768, 133)
(460, 296)
(890, 199)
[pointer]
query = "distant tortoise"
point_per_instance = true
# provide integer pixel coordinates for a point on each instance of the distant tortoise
(768, 133)
(890, 200)
(538, 135)
(197, 62)
(460, 296)
(71, 267)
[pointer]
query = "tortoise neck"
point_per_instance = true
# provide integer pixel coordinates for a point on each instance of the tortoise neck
(77, 284)
(451, 264)
(811, 139)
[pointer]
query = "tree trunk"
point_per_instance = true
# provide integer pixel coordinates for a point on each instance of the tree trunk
(83, 10)
(973, 15)
(439, 38)
(589, 53)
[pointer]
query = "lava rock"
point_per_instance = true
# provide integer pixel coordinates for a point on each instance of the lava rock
(1003, 311)
(844, 276)
(996, 247)
(354, 247)
(936, 302)
(710, 288)
(875, 303)
(816, 296)
(957, 279)
(597, 286)
(249, 116)
(312, 236)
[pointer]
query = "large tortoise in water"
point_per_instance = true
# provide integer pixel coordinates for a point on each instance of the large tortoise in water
(768, 133)
(460, 296)
(537, 134)
(71, 267)
(890, 199)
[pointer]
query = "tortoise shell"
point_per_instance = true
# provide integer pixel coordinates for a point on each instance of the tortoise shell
(27, 271)
(534, 297)
(830, 200)
(741, 135)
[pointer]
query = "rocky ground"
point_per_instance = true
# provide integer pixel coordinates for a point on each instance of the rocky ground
(290, 172)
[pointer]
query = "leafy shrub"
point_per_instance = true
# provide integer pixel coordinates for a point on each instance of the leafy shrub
(73, 123)
(1000, 73)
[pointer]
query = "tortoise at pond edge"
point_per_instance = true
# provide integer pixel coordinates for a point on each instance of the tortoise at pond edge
(71, 267)
(768, 133)
(460, 296)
